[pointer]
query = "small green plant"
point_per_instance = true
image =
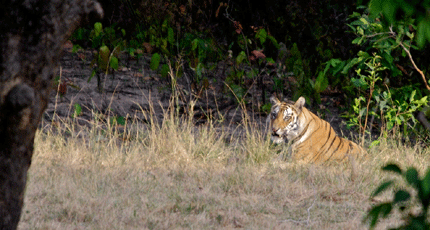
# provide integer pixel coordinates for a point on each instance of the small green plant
(77, 110)
(108, 45)
(239, 78)
(393, 107)
(155, 62)
(117, 120)
(404, 199)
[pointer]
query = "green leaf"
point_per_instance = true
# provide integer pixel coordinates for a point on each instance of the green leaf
(411, 98)
(374, 143)
(360, 31)
(422, 101)
(359, 83)
(401, 196)
(389, 9)
(155, 61)
(98, 28)
(422, 33)
(266, 107)
(104, 53)
(194, 44)
(382, 188)
(363, 55)
(75, 48)
(240, 57)
(92, 75)
(270, 60)
(164, 70)
(379, 210)
(164, 45)
(364, 21)
(357, 41)
(77, 110)
(171, 36)
(273, 40)
(117, 120)
(349, 65)
(425, 185)
(262, 35)
(321, 82)
(411, 177)
(392, 168)
(386, 209)
(114, 63)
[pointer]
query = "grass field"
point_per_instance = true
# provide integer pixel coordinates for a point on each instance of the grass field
(178, 176)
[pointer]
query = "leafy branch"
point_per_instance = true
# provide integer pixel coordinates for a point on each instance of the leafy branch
(394, 35)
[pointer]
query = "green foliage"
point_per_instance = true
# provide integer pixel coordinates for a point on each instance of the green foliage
(77, 110)
(320, 83)
(261, 35)
(403, 199)
(393, 107)
(190, 30)
(266, 108)
(164, 70)
(241, 57)
(184, 30)
(196, 49)
(380, 94)
(394, 9)
(155, 61)
(256, 58)
(108, 42)
(117, 120)
(304, 84)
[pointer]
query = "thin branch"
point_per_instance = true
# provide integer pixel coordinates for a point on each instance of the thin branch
(307, 221)
(377, 34)
(412, 60)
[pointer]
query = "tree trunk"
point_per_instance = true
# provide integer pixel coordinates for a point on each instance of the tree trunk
(32, 33)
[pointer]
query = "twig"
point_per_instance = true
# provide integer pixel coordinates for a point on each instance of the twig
(307, 221)
(377, 34)
(411, 59)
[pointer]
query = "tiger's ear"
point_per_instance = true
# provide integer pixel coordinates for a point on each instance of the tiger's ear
(299, 104)
(274, 100)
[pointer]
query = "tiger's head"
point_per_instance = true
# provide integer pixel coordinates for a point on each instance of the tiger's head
(285, 124)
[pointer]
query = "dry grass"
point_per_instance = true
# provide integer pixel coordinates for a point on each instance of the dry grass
(178, 176)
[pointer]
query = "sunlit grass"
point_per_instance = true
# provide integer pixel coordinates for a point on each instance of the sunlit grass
(171, 174)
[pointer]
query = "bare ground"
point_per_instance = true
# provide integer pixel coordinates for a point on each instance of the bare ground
(135, 90)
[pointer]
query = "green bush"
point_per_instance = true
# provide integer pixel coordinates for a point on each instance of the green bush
(385, 95)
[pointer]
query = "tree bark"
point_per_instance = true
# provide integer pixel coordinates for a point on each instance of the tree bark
(32, 33)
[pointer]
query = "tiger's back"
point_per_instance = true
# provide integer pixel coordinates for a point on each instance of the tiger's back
(313, 139)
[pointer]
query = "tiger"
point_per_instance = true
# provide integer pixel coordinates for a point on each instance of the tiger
(312, 139)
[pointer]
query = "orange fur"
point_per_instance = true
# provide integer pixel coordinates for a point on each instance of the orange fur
(313, 139)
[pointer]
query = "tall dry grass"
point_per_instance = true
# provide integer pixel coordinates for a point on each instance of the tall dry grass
(171, 174)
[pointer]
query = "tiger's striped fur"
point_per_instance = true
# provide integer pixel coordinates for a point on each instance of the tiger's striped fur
(313, 139)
